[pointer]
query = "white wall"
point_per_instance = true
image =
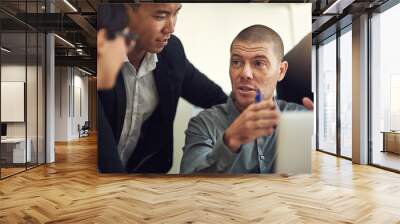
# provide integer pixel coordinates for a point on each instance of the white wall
(70, 84)
(61, 103)
(12, 73)
(207, 30)
(33, 127)
(80, 84)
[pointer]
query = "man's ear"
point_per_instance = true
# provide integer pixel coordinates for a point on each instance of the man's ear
(101, 39)
(282, 70)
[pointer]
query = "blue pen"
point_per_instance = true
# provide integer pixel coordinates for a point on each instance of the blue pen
(258, 96)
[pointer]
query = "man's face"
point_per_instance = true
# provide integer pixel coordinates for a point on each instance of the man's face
(254, 66)
(154, 23)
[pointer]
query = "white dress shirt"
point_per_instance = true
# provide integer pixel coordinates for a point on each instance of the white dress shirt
(141, 101)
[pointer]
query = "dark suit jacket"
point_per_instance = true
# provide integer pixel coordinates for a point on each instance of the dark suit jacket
(174, 77)
(107, 156)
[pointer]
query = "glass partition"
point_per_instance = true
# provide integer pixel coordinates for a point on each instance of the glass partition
(346, 93)
(385, 89)
(22, 87)
(13, 105)
(327, 95)
(31, 99)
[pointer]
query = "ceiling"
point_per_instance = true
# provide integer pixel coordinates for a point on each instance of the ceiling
(76, 23)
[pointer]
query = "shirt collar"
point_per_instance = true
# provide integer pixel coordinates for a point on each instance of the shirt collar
(148, 64)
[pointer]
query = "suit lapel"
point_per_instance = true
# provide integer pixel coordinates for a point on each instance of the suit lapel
(121, 96)
(162, 78)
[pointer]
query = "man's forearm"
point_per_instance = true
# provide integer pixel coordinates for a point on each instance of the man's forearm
(230, 141)
(204, 158)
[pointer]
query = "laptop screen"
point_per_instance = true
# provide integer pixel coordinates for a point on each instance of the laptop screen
(294, 146)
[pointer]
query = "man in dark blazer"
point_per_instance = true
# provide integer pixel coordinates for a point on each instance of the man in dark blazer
(173, 77)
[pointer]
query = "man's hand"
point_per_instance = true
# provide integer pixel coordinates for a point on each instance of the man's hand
(308, 103)
(256, 120)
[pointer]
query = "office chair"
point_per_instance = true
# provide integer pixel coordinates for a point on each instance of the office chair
(84, 130)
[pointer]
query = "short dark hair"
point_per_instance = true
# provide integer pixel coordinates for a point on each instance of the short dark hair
(113, 18)
(260, 33)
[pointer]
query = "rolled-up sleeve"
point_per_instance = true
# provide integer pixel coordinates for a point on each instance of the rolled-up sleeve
(204, 152)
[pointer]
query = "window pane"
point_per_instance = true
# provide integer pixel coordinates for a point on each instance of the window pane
(345, 94)
(385, 89)
(327, 96)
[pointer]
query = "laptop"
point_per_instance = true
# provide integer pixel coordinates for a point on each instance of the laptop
(294, 143)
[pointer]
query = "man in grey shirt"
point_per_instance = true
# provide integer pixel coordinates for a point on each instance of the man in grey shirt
(239, 136)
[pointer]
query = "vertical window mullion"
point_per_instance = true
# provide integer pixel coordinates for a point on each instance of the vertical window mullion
(26, 87)
(338, 76)
(318, 93)
(37, 89)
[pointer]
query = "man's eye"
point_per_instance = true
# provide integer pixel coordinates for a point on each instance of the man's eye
(159, 17)
(259, 64)
(236, 63)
